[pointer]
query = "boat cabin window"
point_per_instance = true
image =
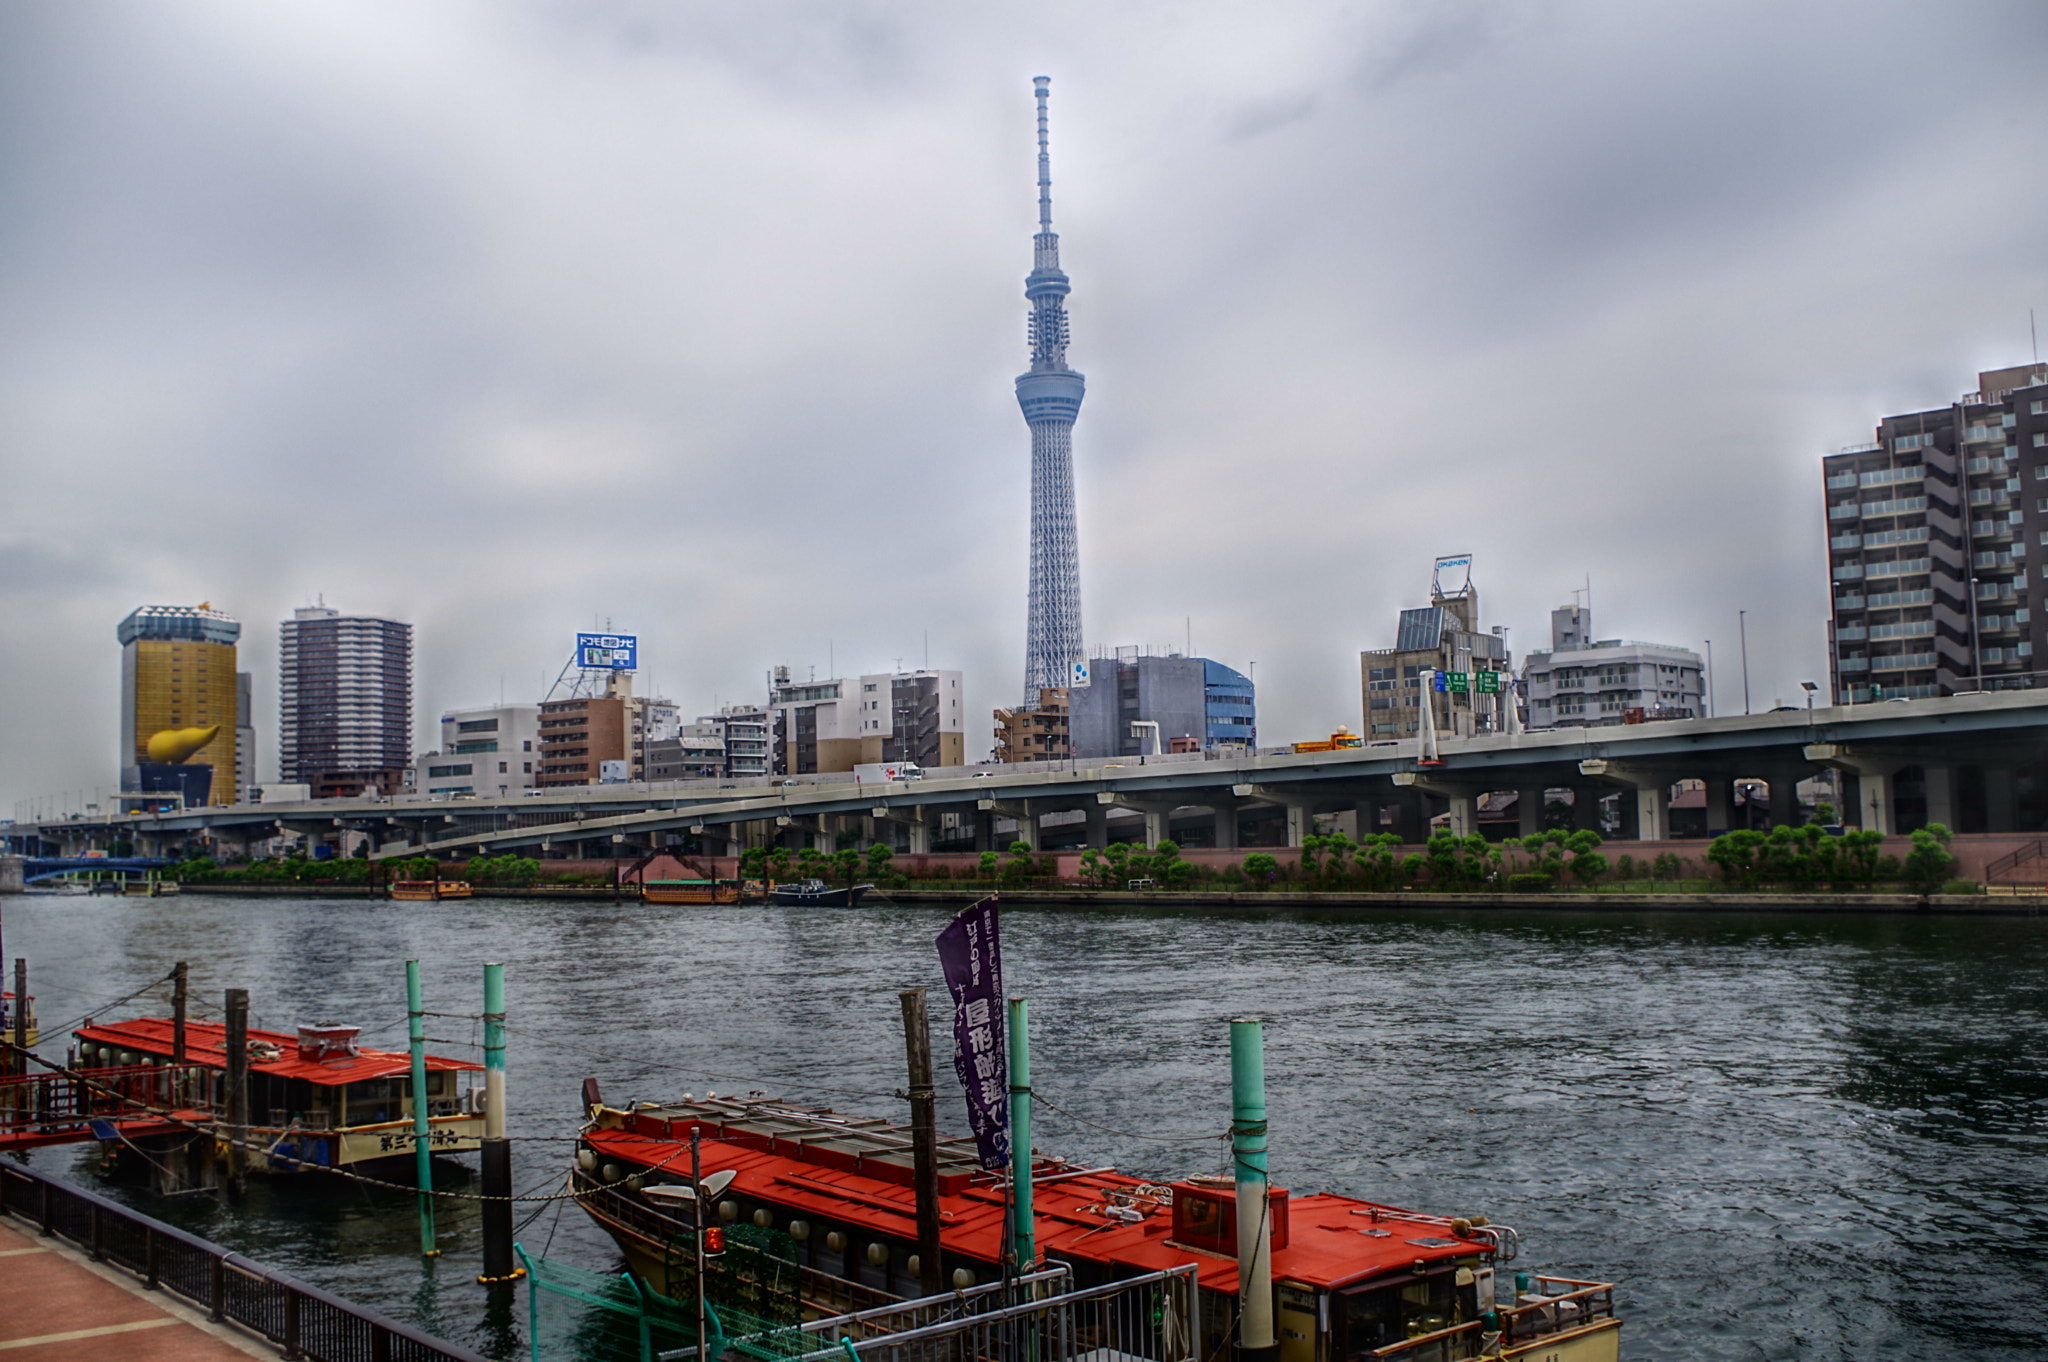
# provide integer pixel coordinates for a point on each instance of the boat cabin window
(1388, 1311)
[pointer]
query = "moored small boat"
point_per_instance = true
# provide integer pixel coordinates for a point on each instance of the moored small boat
(317, 1099)
(1353, 1280)
(815, 893)
(428, 891)
(690, 891)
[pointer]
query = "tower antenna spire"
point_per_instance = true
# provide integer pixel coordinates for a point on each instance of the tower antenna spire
(1043, 86)
(1050, 394)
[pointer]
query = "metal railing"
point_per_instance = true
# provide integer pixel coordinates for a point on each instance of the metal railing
(61, 1105)
(303, 1320)
(1150, 1317)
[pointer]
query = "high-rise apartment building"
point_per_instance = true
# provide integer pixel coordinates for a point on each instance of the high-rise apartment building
(177, 682)
(1930, 530)
(344, 702)
(1197, 703)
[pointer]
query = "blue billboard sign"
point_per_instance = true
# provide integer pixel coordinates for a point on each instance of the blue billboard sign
(616, 652)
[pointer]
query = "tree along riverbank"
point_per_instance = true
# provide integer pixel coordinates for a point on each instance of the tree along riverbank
(1611, 900)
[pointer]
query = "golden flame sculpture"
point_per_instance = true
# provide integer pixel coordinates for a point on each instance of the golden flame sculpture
(173, 745)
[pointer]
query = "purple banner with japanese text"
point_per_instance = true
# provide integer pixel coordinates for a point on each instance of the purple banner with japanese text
(971, 953)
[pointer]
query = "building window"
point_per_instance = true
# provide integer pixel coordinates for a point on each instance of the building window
(501, 768)
(443, 772)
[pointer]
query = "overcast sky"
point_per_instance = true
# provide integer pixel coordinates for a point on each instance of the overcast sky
(505, 318)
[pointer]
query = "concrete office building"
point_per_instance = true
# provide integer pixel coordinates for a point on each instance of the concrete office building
(178, 679)
(1037, 732)
(733, 742)
(344, 702)
(1930, 530)
(835, 725)
(1195, 701)
(1579, 683)
(1443, 636)
(596, 739)
(490, 751)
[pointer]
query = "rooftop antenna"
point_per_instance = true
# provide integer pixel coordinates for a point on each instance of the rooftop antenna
(2034, 334)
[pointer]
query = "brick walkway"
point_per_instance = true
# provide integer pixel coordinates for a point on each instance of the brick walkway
(56, 1306)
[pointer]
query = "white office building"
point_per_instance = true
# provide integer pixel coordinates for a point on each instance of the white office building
(489, 753)
(1580, 683)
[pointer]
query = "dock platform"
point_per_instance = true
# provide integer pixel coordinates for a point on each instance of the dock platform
(57, 1305)
(82, 1276)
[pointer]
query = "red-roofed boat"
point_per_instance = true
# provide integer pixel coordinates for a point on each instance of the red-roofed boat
(317, 1099)
(1353, 1281)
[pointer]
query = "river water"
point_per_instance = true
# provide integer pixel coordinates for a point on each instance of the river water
(1784, 1137)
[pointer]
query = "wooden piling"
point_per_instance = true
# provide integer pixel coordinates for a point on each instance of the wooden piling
(237, 1043)
(924, 1139)
(20, 1015)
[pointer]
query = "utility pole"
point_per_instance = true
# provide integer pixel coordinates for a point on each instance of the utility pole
(924, 1140)
(1742, 621)
(180, 975)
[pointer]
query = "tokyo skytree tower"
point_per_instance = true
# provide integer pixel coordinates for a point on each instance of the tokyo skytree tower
(1051, 398)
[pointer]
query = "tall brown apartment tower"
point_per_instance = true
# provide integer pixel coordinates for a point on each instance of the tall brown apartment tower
(1931, 528)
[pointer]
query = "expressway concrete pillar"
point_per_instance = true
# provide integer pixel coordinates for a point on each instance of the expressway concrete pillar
(1653, 813)
(1529, 811)
(1941, 795)
(1464, 820)
(1301, 824)
(1098, 825)
(1646, 805)
(920, 836)
(1873, 772)
(1226, 826)
(1586, 807)
(1720, 805)
(2001, 804)
(1784, 782)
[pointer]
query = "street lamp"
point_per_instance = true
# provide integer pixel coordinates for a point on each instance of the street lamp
(1809, 688)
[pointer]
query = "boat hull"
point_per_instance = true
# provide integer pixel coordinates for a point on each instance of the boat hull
(849, 897)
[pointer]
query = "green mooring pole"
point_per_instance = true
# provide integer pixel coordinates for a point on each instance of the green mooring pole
(1255, 1340)
(1020, 1135)
(423, 1154)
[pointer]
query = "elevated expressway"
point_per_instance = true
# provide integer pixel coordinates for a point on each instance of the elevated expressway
(1960, 757)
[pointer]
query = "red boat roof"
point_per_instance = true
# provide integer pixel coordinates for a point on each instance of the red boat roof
(206, 1043)
(1323, 1241)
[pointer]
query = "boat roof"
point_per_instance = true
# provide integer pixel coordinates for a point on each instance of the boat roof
(206, 1043)
(859, 1170)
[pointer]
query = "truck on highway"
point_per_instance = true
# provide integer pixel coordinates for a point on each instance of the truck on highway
(879, 771)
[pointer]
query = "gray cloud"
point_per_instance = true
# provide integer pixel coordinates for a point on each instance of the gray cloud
(505, 318)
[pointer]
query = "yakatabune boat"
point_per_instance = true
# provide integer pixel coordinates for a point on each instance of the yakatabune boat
(316, 1099)
(1353, 1281)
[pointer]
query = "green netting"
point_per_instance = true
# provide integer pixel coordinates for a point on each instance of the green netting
(576, 1315)
(755, 1285)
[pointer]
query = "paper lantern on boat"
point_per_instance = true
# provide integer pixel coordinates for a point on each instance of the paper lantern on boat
(799, 1230)
(878, 1254)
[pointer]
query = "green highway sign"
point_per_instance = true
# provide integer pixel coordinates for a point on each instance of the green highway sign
(1458, 682)
(1489, 683)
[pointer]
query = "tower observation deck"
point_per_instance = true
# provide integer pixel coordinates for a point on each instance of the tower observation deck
(1050, 394)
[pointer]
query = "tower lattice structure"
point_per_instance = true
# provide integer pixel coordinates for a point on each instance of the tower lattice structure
(1050, 395)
